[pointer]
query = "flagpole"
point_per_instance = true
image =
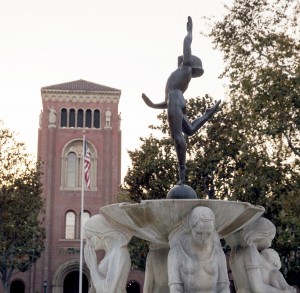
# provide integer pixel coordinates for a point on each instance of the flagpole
(81, 217)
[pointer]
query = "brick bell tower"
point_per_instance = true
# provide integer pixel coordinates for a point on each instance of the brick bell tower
(70, 110)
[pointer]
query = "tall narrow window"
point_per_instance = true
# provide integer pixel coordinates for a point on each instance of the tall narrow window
(72, 118)
(88, 118)
(97, 119)
(80, 118)
(85, 216)
(71, 176)
(63, 118)
(70, 225)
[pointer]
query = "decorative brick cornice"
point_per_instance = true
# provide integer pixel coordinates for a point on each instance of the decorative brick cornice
(82, 97)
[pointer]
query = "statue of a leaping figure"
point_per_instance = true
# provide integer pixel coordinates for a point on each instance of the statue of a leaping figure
(189, 66)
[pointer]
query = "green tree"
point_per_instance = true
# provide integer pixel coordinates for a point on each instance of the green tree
(153, 169)
(261, 47)
(260, 43)
(249, 151)
(21, 206)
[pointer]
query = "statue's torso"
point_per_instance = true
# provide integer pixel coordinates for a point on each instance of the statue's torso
(179, 80)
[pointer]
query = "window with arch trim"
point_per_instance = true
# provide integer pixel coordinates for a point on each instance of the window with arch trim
(80, 118)
(96, 119)
(63, 117)
(72, 166)
(88, 118)
(72, 117)
(72, 169)
(70, 225)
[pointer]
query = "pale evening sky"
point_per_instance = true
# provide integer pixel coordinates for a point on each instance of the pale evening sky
(131, 45)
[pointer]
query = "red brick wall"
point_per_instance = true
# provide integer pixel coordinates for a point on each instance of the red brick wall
(51, 141)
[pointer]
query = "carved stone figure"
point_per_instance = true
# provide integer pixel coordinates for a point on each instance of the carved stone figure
(52, 117)
(107, 118)
(189, 67)
(248, 266)
(196, 261)
(110, 275)
(156, 274)
(271, 274)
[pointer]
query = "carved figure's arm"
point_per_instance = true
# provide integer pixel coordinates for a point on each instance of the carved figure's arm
(278, 281)
(187, 51)
(223, 282)
(149, 277)
(174, 276)
(254, 267)
(149, 103)
(98, 280)
(176, 288)
(118, 269)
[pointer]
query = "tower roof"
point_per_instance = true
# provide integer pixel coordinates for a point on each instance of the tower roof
(80, 85)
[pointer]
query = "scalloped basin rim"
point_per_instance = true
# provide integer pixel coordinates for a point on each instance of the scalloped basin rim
(153, 220)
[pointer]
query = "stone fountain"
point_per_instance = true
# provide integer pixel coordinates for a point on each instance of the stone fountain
(184, 232)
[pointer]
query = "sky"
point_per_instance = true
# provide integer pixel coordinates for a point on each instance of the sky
(131, 45)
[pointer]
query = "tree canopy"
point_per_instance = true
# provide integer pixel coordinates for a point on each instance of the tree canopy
(260, 42)
(249, 151)
(21, 206)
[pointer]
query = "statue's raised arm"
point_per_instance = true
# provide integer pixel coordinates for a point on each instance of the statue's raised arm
(187, 51)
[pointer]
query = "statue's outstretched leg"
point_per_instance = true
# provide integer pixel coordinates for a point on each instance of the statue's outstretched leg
(189, 128)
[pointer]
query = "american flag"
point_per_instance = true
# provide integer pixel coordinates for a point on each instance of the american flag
(87, 165)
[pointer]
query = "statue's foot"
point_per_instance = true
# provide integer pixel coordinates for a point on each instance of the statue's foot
(180, 182)
(181, 174)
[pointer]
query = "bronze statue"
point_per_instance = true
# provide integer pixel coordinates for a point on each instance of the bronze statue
(189, 66)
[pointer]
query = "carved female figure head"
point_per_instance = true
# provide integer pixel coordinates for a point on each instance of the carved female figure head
(259, 233)
(201, 222)
(104, 235)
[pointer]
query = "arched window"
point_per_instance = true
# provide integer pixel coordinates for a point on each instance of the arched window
(63, 118)
(72, 118)
(72, 166)
(85, 216)
(88, 118)
(96, 119)
(70, 225)
(80, 118)
(72, 169)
